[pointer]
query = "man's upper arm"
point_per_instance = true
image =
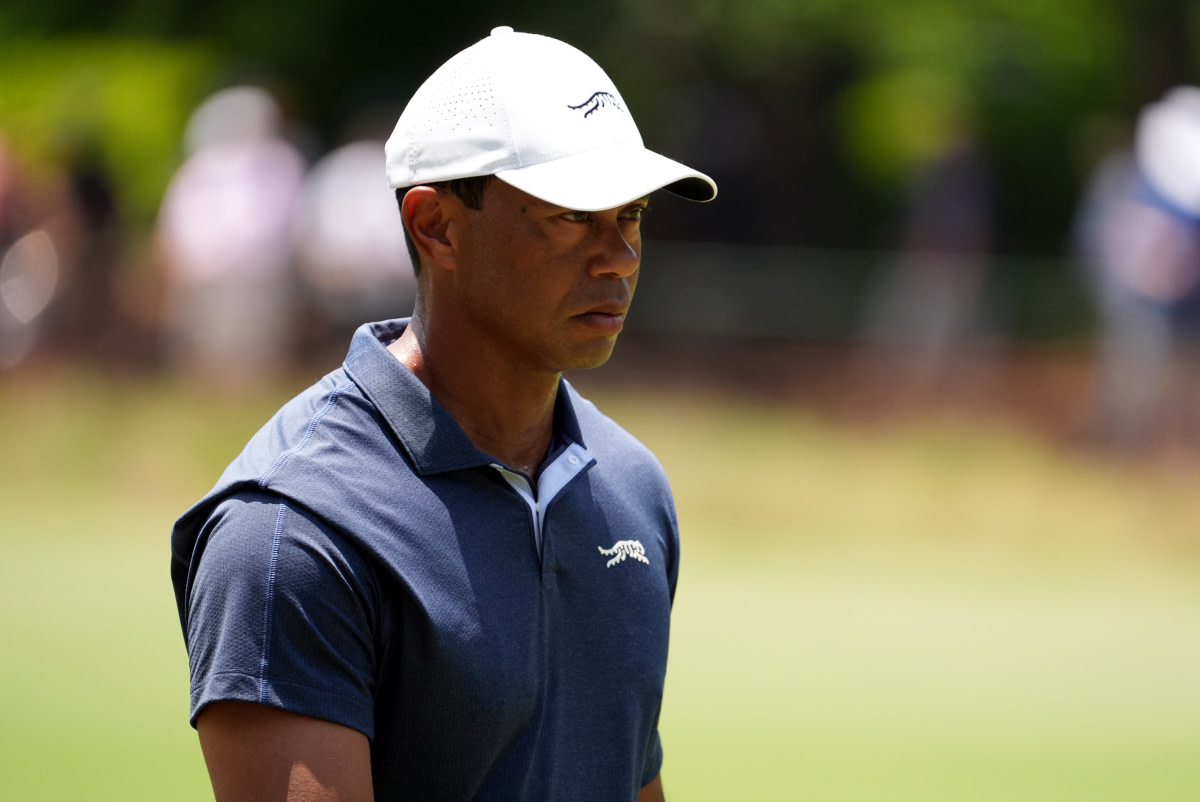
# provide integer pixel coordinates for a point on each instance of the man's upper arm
(256, 753)
(280, 612)
(652, 791)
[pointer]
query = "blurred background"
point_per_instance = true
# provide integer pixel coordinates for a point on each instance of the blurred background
(924, 376)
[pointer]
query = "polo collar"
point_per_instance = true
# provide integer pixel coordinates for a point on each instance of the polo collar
(431, 436)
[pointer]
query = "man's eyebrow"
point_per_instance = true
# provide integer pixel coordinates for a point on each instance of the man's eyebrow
(538, 203)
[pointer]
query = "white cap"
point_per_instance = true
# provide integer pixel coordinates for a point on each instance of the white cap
(1168, 147)
(539, 115)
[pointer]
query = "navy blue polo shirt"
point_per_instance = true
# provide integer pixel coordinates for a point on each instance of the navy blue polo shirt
(362, 562)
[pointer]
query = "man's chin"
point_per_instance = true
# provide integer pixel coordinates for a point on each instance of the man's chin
(586, 359)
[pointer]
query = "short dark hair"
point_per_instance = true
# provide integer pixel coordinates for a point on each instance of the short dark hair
(468, 190)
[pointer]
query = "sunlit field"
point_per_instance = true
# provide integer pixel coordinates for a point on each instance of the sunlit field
(938, 611)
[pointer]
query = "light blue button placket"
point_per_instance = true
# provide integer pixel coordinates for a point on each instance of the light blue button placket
(554, 477)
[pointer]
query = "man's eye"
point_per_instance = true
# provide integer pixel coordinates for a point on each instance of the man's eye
(636, 212)
(577, 217)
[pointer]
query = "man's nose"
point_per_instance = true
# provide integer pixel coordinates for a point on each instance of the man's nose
(619, 253)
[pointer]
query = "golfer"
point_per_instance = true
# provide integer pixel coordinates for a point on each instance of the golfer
(440, 573)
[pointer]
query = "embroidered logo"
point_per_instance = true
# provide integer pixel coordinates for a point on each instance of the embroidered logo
(625, 548)
(598, 100)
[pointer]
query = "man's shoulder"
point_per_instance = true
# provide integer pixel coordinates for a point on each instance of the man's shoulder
(602, 432)
(303, 451)
(620, 455)
(303, 435)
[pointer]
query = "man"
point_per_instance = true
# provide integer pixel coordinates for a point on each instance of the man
(439, 573)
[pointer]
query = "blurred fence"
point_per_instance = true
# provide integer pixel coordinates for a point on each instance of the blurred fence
(819, 295)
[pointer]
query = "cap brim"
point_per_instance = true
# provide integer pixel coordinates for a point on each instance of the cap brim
(600, 179)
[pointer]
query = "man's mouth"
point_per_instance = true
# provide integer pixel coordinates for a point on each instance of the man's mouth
(607, 318)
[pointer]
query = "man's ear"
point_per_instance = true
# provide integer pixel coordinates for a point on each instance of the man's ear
(429, 217)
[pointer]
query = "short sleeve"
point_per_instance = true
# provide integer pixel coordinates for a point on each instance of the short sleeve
(654, 759)
(281, 611)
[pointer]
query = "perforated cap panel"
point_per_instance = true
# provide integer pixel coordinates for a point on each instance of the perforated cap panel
(515, 102)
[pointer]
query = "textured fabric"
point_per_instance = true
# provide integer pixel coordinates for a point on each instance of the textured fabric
(362, 562)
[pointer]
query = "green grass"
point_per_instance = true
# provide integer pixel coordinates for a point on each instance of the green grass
(830, 679)
(943, 611)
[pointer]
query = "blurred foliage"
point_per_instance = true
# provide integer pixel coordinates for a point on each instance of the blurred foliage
(121, 102)
(810, 114)
(853, 95)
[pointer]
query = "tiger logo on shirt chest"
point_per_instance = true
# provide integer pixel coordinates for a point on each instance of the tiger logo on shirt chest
(622, 549)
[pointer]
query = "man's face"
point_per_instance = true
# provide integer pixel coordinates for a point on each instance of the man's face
(549, 287)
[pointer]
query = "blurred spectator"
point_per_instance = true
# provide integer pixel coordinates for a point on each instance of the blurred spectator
(30, 267)
(926, 301)
(349, 241)
(1137, 239)
(29, 280)
(223, 232)
(86, 320)
(10, 327)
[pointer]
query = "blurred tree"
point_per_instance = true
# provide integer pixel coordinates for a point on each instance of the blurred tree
(122, 102)
(809, 114)
(869, 88)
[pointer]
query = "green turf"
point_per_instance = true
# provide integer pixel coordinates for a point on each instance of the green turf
(841, 679)
(937, 612)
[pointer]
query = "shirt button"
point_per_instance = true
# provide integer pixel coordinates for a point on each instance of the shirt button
(574, 460)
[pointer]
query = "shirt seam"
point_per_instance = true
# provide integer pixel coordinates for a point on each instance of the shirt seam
(265, 479)
(278, 682)
(355, 703)
(269, 604)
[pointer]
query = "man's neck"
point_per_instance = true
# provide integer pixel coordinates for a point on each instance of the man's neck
(506, 413)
